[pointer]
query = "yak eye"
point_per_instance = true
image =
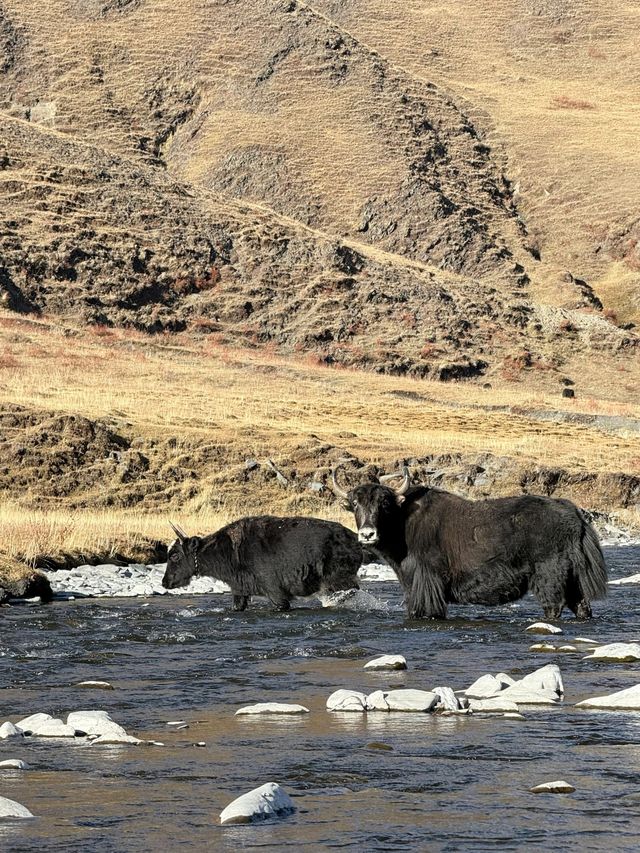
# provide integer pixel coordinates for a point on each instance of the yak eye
(174, 558)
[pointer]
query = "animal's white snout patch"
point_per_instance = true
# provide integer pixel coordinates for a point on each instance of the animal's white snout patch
(367, 535)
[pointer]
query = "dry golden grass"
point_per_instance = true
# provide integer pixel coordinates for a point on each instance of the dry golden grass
(265, 405)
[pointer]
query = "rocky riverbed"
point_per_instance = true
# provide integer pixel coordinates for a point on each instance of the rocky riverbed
(475, 728)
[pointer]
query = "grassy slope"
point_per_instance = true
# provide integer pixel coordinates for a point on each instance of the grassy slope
(239, 405)
(555, 83)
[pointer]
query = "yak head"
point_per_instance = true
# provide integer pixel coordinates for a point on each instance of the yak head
(375, 506)
(182, 560)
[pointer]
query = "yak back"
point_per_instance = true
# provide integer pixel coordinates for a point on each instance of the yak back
(466, 534)
(257, 544)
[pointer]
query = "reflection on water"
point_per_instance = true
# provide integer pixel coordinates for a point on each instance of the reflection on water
(454, 783)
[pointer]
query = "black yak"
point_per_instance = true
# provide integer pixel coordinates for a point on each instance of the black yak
(265, 555)
(446, 549)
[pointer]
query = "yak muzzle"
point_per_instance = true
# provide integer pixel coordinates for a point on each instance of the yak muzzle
(367, 535)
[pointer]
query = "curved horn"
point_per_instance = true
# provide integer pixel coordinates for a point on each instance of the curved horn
(178, 531)
(335, 488)
(403, 488)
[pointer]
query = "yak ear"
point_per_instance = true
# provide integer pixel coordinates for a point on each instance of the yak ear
(346, 504)
(192, 544)
(400, 499)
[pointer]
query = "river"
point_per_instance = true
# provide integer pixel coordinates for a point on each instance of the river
(448, 783)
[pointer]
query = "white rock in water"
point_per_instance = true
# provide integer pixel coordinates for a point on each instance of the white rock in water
(559, 787)
(542, 647)
(403, 700)
(376, 701)
(543, 628)
(14, 764)
(586, 641)
(513, 715)
(104, 685)
(628, 699)
(114, 739)
(267, 801)
(567, 648)
(504, 679)
(377, 572)
(387, 662)
(493, 705)
(484, 687)
(177, 723)
(447, 699)
(52, 728)
(95, 723)
(528, 696)
(271, 708)
(621, 581)
(9, 730)
(27, 724)
(9, 808)
(616, 651)
(347, 700)
(546, 678)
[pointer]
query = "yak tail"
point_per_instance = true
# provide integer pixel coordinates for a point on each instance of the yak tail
(589, 564)
(425, 597)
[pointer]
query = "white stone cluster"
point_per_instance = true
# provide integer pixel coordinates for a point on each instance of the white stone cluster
(406, 700)
(96, 727)
(501, 693)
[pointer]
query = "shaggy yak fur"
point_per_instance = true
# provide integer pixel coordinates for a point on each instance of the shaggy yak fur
(265, 555)
(445, 549)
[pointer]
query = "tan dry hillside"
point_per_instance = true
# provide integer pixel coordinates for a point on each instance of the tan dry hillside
(279, 172)
(106, 435)
(555, 85)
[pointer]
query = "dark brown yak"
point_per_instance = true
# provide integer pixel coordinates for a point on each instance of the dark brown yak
(266, 555)
(445, 549)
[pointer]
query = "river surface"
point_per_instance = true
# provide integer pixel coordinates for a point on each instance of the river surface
(448, 783)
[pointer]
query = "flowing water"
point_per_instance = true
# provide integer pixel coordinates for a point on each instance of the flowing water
(448, 783)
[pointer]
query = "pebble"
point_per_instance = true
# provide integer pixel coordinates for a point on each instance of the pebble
(271, 708)
(267, 801)
(386, 662)
(542, 647)
(14, 764)
(543, 628)
(559, 787)
(177, 723)
(104, 685)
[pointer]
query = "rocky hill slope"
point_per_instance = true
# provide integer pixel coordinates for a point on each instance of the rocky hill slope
(277, 173)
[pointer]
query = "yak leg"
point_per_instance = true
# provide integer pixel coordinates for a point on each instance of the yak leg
(240, 602)
(423, 588)
(549, 584)
(577, 602)
(279, 597)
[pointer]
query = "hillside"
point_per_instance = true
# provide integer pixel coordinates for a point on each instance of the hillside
(287, 174)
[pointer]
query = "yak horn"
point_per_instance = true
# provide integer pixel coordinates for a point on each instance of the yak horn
(404, 487)
(405, 483)
(178, 531)
(337, 491)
